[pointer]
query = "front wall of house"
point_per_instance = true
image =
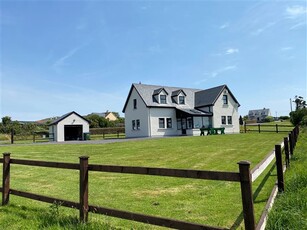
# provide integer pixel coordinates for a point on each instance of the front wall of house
(73, 119)
(163, 113)
(231, 109)
(141, 113)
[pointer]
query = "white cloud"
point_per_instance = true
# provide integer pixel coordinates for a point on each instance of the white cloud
(216, 73)
(262, 29)
(295, 11)
(286, 48)
(62, 61)
(224, 26)
(232, 51)
(298, 25)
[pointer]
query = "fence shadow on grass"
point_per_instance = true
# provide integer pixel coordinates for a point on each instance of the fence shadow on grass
(240, 218)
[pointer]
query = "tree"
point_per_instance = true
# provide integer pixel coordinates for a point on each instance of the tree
(300, 103)
(6, 121)
(241, 120)
(297, 116)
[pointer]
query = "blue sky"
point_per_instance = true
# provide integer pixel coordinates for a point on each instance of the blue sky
(60, 56)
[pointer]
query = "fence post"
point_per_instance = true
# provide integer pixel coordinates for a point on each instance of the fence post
(291, 143)
(6, 179)
(247, 195)
(83, 189)
(276, 128)
(259, 128)
(279, 167)
(244, 126)
(286, 146)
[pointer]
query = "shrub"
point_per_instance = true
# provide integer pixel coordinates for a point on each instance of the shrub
(304, 121)
(297, 116)
(268, 119)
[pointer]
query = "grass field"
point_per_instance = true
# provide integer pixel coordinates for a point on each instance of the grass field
(284, 126)
(213, 203)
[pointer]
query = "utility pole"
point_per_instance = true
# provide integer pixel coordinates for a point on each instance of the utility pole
(291, 104)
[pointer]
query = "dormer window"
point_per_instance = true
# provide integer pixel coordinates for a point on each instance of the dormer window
(178, 97)
(162, 99)
(181, 100)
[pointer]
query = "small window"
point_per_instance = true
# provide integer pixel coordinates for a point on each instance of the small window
(190, 122)
(161, 123)
(181, 100)
(134, 103)
(162, 99)
(229, 120)
(225, 99)
(169, 123)
(133, 124)
(138, 124)
(223, 120)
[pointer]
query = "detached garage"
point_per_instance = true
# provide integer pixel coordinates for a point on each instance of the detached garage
(69, 127)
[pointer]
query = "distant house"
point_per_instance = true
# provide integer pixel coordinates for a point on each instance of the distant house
(108, 115)
(259, 114)
(152, 110)
(70, 126)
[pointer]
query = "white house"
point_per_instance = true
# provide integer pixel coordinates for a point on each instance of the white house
(70, 126)
(152, 110)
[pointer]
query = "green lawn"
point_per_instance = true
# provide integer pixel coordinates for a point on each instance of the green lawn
(213, 203)
(284, 126)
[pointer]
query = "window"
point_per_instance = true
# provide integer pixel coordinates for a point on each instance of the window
(181, 100)
(179, 124)
(133, 124)
(134, 103)
(169, 123)
(190, 122)
(229, 120)
(161, 123)
(162, 99)
(138, 124)
(223, 120)
(225, 100)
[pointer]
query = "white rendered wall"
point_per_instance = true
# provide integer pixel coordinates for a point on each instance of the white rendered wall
(140, 113)
(155, 114)
(72, 119)
(231, 109)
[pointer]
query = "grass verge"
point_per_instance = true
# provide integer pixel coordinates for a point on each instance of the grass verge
(290, 208)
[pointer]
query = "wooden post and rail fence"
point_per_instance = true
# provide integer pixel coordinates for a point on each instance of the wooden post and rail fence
(277, 128)
(245, 177)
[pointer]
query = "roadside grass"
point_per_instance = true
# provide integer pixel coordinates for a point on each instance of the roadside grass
(215, 203)
(290, 208)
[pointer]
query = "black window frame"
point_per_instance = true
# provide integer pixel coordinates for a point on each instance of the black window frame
(134, 104)
(169, 123)
(161, 125)
(181, 100)
(163, 101)
(223, 120)
(138, 124)
(229, 118)
(225, 99)
(133, 125)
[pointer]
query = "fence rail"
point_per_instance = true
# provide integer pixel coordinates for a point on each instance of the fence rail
(245, 177)
(272, 128)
